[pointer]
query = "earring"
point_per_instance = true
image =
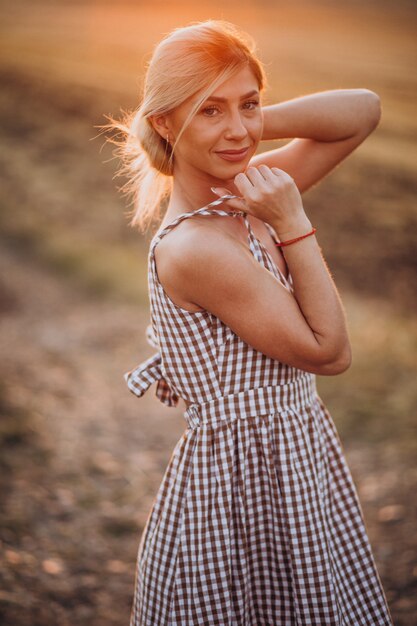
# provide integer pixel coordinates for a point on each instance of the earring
(166, 148)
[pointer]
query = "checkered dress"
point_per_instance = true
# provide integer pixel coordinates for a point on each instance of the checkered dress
(257, 519)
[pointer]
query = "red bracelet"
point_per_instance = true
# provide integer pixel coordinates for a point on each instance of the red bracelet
(286, 243)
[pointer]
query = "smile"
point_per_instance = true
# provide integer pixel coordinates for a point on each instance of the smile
(233, 155)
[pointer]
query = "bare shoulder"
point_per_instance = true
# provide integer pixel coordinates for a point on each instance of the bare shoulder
(195, 253)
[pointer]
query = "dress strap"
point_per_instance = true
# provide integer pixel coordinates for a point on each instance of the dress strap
(272, 232)
(205, 210)
(210, 209)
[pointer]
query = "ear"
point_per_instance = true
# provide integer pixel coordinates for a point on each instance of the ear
(159, 122)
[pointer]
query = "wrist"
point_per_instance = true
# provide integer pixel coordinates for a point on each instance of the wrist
(295, 229)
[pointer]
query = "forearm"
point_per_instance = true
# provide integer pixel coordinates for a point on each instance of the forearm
(316, 294)
(323, 116)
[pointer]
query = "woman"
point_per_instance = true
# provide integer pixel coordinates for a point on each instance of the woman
(257, 519)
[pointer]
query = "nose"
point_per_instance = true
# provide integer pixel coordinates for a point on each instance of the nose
(236, 128)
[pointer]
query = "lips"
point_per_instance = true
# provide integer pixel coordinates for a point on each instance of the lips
(233, 155)
(241, 151)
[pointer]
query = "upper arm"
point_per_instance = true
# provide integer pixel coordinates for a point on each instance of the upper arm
(219, 273)
(307, 160)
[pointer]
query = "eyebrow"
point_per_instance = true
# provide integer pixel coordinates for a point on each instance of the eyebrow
(247, 95)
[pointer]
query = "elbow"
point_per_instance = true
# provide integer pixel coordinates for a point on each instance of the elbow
(324, 361)
(338, 367)
(338, 364)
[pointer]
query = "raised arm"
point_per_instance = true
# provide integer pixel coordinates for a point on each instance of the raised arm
(327, 126)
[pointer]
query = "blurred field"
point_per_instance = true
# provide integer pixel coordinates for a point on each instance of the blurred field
(81, 457)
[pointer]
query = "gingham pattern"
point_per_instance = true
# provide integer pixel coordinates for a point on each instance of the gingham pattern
(257, 519)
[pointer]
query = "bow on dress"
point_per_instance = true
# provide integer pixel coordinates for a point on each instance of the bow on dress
(150, 371)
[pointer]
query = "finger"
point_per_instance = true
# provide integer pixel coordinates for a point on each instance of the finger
(255, 176)
(243, 183)
(276, 170)
(267, 172)
(281, 173)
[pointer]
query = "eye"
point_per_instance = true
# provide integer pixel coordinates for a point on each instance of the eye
(254, 102)
(209, 109)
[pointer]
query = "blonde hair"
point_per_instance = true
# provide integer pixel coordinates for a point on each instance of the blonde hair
(196, 57)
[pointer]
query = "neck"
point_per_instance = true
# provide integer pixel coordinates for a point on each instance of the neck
(191, 192)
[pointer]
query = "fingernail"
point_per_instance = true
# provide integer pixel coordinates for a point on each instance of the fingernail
(214, 190)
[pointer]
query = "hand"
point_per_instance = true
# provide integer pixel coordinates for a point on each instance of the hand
(269, 194)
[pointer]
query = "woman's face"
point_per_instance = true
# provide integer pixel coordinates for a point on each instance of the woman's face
(230, 119)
